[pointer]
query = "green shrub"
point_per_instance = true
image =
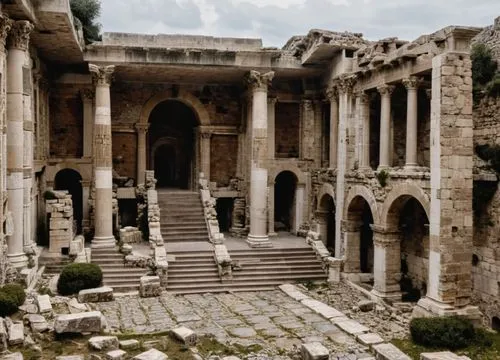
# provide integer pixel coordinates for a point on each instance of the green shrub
(75, 277)
(8, 304)
(443, 332)
(382, 177)
(16, 291)
(483, 65)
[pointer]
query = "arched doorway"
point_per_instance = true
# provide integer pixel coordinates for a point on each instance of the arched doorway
(171, 144)
(408, 215)
(284, 201)
(326, 215)
(71, 180)
(358, 235)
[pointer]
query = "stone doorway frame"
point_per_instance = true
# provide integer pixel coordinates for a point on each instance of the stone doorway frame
(322, 214)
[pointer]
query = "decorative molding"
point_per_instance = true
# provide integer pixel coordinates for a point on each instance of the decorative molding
(102, 75)
(258, 81)
(331, 93)
(345, 83)
(386, 90)
(5, 26)
(412, 82)
(19, 35)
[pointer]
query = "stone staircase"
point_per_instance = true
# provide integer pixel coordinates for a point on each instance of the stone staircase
(261, 269)
(115, 274)
(182, 217)
(53, 265)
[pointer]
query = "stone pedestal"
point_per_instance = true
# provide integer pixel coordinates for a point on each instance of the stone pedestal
(103, 177)
(258, 84)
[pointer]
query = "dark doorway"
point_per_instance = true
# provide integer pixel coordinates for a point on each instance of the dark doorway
(327, 208)
(495, 323)
(366, 241)
(71, 180)
(171, 144)
(284, 201)
(224, 209)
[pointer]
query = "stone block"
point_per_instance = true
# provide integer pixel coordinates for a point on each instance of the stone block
(370, 339)
(70, 357)
(352, 327)
(37, 322)
(185, 335)
(231, 358)
(389, 352)
(76, 307)
(3, 335)
(102, 294)
(44, 305)
(322, 309)
(366, 305)
(151, 354)
(314, 351)
(92, 321)
(14, 356)
(130, 344)
(444, 355)
(293, 292)
(103, 343)
(150, 286)
(116, 355)
(16, 333)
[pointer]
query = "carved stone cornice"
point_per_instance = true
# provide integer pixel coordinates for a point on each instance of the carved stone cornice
(258, 81)
(386, 90)
(87, 94)
(411, 83)
(5, 26)
(19, 35)
(102, 75)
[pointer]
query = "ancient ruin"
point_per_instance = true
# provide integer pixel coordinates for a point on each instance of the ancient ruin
(198, 164)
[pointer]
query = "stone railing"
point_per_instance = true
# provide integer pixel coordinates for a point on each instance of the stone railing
(214, 234)
(332, 266)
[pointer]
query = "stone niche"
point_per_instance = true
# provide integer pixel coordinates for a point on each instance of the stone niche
(61, 226)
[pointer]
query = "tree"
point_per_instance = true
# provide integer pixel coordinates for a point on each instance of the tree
(87, 11)
(483, 65)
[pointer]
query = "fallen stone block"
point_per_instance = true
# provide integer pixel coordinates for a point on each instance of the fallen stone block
(14, 356)
(370, 339)
(389, 352)
(37, 322)
(44, 305)
(322, 309)
(70, 357)
(366, 305)
(293, 292)
(103, 343)
(93, 322)
(150, 286)
(444, 355)
(151, 354)
(116, 355)
(130, 344)
(352, 327)
(314, 351)
(4, 336)
(16, 333)
(185, 335)
(231, 358)
(76, 307)
(102, 294)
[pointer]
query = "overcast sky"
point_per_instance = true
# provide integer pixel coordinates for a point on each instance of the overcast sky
(275, 21)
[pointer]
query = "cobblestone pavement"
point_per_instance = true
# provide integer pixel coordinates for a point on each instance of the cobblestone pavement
(271, 319)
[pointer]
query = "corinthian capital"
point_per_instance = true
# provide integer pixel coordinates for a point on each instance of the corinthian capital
(346, 83)
(19, 35)
(258, 81)
(5, 26)
(411, 83)
(386, 89)
(102, 75)
(331, 93)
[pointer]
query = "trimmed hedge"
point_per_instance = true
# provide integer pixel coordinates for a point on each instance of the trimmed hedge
(8, 304)
(16, 291)
(75, 277)
(452, 332)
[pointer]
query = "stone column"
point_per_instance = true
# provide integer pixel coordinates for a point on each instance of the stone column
(258, 84)
(271, 210)
(387, 263)
(352, 241)
(307, 130)
(142, 130)
(385, 125)
(365, 131)
(28, 154)
(271, 127)
(88, 121)
(299, 206)
(332, 95)
(103, 165)
(205, 137)
(18, 46)
(411, 85)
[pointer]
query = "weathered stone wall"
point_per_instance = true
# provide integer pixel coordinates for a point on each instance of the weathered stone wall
(125, 148)
(223, 158)
(487, 121)
(287, 125)
(66, 122)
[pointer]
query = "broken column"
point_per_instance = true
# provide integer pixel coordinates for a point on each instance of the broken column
(258, 85)
(61, 230)
(103, 178)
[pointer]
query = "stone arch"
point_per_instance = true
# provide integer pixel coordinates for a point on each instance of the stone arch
(396, 199)
(183, 96)
(299, 174)
(366, 194)
(326, 189)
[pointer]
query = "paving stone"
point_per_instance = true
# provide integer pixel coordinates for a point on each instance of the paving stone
(116, 355)
(389, 352)
(37, 323)
(445, 355)
(16, 333)
(44, 305)
(70, 357)
(151, 354)
(243, 332)
(188, 317)
(370, 339)
(185, 335)
(129, 344)
(352, 327)
(104, 343)
(314, 351)
(13, 356)
(322, 309)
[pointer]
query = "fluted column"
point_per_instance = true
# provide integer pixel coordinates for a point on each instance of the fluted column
(411, 85)
(271, 127)
(205, 138)
(385, 125)
(18, 46)
(103, 177)
(142, 130)
(258, 85)
(365, 131)
(332, 95)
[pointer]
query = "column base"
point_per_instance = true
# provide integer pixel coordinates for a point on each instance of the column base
(18, 261)
(427, 307)
(273, 234)
(389, 296)
(255, 241)
(103, 243)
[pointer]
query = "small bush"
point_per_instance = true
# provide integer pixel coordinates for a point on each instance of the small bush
(382, 177)
(76, 277)
(16, 291)
(444, 332)
(8, 304)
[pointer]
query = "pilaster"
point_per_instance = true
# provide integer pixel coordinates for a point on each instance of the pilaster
(88, 120)
(141, 130)
(205, 138)
(332, 96)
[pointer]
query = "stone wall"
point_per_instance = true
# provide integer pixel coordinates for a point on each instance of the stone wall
(61, 226)
(487, 121)
(223, 158)
(125, 151)
(287, 125)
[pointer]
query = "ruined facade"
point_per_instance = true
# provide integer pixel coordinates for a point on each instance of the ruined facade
(369, 143)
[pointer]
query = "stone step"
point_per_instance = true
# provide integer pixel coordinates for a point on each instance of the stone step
(106, 261)
(196, 222)
(185, 238)
(189, 232)
(184, 227)
(129, 275)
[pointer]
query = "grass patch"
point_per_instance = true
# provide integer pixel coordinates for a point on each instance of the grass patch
(477, 351)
